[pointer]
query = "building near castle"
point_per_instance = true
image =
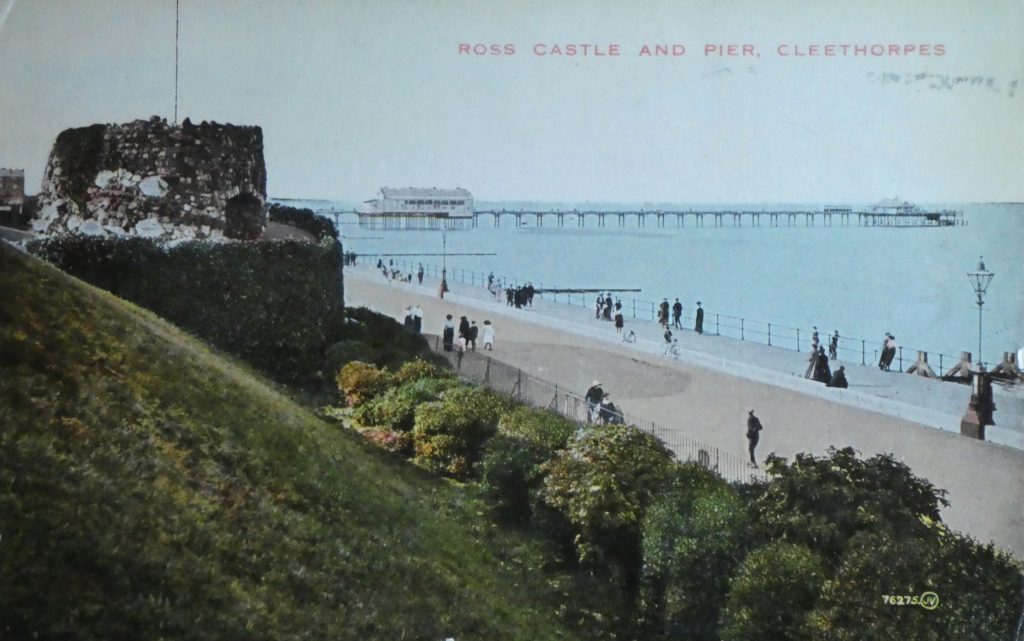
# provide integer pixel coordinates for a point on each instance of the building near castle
(154, 179)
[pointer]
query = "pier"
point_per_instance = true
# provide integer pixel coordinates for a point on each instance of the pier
(828, 217)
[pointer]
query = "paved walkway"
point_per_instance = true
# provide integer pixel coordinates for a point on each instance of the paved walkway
(706, 393)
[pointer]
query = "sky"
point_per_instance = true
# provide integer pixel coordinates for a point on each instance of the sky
(355, 95)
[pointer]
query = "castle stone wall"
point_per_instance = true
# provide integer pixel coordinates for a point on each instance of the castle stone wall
(150, 178)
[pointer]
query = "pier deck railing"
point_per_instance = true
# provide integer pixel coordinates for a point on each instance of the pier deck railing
(477, 367)
(850, 349)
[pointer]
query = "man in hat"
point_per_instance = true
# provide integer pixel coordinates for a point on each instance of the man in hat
(677, 314)
(753, 434)
(698, 325)
(594, 396)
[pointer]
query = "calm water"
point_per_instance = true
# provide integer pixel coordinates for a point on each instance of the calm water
(861, 281)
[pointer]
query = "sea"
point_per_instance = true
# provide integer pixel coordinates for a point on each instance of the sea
(863, 282)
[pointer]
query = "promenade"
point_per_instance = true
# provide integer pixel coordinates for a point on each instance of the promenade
(705, 395)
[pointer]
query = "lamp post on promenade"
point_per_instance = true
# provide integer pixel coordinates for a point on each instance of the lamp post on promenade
(980, 280)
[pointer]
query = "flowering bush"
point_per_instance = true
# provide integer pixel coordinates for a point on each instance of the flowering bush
(396, 408)
(360, 382)
(603, 484)
(390, 440)
(449, 434)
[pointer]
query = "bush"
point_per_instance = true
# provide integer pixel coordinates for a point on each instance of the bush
(390, 441)
(693, 538)
(823, 502)
(396, 408)
(511, 475)
(392, 345)
(543, 427)
(360, 382)
(603, 484)
(772, 593)
(305, 219)
(418, 368)
(343, 352)
(978, 590)
(449, 434)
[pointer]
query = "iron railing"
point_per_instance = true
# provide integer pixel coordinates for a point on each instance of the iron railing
(531, 390)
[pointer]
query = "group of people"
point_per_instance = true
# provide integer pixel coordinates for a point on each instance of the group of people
(468, 334)
(600, 408)
(413, 319)
(818, 368)
(677, 316)
(392, 273)
(888, 352)
(520, 297)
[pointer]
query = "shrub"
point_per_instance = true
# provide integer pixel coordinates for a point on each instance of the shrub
(823, 502)
(305, 219)
(978, 590)
(418, 368)
(511, 474)
(396, 408)
(449, 433)
(693, 538)
(772, 593)
(603, 483)
(360, 382)
(391, 343)
(538, 426)
(390, 441)
(343, 352)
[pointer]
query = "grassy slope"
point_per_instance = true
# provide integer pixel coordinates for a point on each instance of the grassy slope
(151, 489)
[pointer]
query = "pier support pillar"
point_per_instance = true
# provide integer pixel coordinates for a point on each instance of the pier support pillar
(921, 367)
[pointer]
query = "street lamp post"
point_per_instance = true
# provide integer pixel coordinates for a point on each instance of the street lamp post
(980, 280)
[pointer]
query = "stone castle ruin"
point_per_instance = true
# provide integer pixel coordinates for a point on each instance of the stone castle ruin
(149, 178)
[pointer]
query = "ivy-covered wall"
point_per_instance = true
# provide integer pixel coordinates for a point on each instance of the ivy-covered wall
(276, 305)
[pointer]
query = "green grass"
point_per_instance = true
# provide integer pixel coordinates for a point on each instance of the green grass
(151, 489)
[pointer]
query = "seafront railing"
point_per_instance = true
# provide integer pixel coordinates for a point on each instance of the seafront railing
(850, 349)
(531, 390)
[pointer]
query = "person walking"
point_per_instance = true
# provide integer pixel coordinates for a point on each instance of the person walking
(754, 428)
(488, 336)
(409, 322)
(473, 333)
(419, 274)
(619, 321)
(833, 345)
(698, 325)
(464, 327)
(448, 334)
(663, 313)
(598, 306)
(443, 287)
(417, 319)
(677, 314)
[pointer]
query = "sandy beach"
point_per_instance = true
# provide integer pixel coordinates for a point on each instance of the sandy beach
(706, 393)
